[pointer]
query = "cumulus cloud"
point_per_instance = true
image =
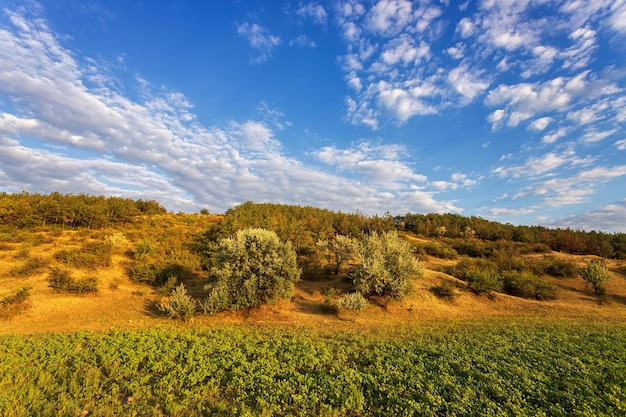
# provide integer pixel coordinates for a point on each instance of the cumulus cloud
(85, 135)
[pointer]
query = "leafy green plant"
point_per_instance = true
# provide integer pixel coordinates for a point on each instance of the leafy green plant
(484, 281)
(386, 264)
(180, 305)
(353, 301)
(251, 268)
(554, 267)
(91, 255)
(597, 274)
(439, 250)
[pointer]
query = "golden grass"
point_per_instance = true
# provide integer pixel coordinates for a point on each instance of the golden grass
(121, 304)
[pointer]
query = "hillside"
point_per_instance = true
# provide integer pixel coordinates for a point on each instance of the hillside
(121, 303)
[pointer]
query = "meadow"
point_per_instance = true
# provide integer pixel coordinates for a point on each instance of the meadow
(499, 322)
(487, 368)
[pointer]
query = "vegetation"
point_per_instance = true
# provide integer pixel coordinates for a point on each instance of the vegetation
(386, 264)
(92, 255)
(179, 305)
(14, 303)
(62, 280)
(353, 301)
(446, 290)
(30, 267)
(597, 274)
(471, 369)
(251, 268)
(68, 210)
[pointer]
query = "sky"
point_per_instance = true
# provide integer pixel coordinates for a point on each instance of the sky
(511, 110)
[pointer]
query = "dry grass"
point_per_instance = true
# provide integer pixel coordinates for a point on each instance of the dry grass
(121, 304)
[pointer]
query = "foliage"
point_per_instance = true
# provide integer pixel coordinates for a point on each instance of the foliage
(554, 267)
(30, 267)
(446, 290)
(15, 303)
(353, 301)
(470, 369)
(439, 250)
(180, 305)
(251, 268)
(484, 281)
(386, 264)
(597, 274)
(528, 285)
(62, 280)
(29, 210)
(91, 255)
(338, 251)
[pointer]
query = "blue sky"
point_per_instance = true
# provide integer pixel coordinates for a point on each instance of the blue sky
(512, 110)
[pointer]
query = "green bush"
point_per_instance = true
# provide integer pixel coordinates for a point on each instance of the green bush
(528, 285)
(62, 280)
(14, 303)
(180, 305)
(597, 274)
(446, 290)
(554, 267)
(91, 255)
(440, 250)
(251, 268)
(353, 301)
(484, 281)
(32, 266)
(386, 265)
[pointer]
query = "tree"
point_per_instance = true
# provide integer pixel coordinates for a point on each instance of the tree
(386, 264)
(251, 268)
(597, 274)
(338, 251)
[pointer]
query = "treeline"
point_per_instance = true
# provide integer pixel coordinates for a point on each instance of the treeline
(578, 242)
(304, 227)
(24, 210)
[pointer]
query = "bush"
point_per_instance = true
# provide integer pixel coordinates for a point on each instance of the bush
(62, 280)
(251, 268)
(386, 265)
(597, 274)
(90, 256)
(553, 267)
(440, 250)
(528, 285)
(32, 266)
(180, 305)
(353, 301)
(14, 303)
(446, 290)
(484, 281)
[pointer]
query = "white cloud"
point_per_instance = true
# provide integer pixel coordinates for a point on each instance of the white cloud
(303, 41)
(390, 17)
(554, 136)
(260, 38)
(540, 124)
(620, 144)
(313, 11)
(466, 83)
(595, 136)
(608, 218)
(535, 166)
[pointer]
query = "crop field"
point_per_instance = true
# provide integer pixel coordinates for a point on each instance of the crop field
(489, 368)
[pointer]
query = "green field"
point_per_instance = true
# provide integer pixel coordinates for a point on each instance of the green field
(465, 368)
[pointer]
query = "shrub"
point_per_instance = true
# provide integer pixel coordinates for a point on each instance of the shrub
(484, 281)
(597, 274)
(180, 305)
(251, 268)
(386, 265)
(440, 250)
(14, 303)
(353, 301)
(528, 285)
(446, 290)
(62, 280)
(32, 266)
(554, 267)
(91, 255)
